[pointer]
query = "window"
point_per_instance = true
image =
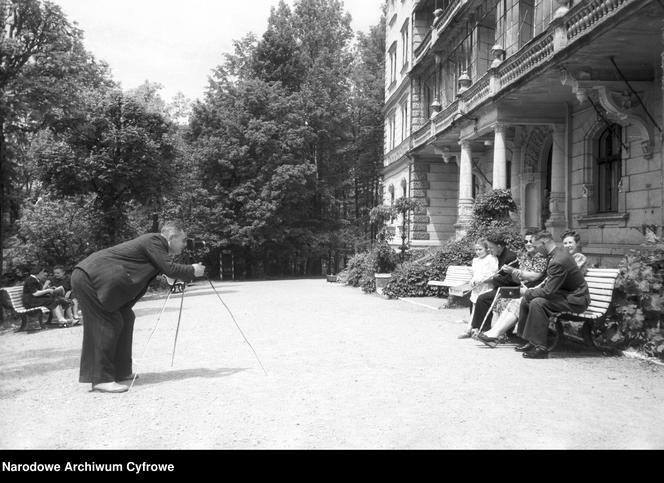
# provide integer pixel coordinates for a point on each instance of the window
(543, 14)
(405, 43)
(609, 168)
(391, 131)
(404, 119)
(392, 63)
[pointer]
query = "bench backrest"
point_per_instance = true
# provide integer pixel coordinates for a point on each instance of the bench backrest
(457, 275)
(15, 296)
(601, 282)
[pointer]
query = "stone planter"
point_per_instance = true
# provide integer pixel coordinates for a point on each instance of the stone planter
(381, 281)
(332, 278)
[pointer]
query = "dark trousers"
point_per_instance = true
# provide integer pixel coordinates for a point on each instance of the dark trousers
(107, 336)
(482, 306)
(534, 317)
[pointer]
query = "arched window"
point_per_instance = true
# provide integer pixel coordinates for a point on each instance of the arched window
(608, 168)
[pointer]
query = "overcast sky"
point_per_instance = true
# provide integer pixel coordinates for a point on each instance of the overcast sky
(178, 43)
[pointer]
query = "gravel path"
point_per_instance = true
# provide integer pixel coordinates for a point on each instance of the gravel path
(345, 370)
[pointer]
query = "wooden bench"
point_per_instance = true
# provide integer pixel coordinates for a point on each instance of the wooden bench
(601, 284)
(15, 297)
(456, 279)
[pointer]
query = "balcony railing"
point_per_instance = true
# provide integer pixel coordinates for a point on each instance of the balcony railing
(396, 153)
(588, 14)
(445, 117)
(420, 49)
(478, 92)
(523, 62)
(422, 134)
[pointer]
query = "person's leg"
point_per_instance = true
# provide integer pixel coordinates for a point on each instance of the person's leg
(505, 322)
(123, 360)
(536, 329)
(100, 334)
(482, 306)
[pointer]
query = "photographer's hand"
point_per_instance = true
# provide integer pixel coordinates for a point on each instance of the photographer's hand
(199, 269)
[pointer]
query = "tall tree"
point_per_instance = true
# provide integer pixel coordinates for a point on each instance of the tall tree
(43, 69)
(124, 152)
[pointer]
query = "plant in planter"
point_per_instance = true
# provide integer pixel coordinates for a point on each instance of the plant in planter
(404, 207)
(382, 255)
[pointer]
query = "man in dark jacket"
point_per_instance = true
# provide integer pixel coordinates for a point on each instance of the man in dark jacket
(107, 284)
(564, 290)
(505, 256)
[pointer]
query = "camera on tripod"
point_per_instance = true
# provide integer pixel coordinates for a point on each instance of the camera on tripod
(194, 244)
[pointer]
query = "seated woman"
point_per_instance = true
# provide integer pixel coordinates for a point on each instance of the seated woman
(484, 266)
(572, 242)
(531, 273)
(38, 294)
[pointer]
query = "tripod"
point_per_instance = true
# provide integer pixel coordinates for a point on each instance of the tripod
(177, 330)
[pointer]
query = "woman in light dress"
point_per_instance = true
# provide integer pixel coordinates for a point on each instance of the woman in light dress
(484, 266)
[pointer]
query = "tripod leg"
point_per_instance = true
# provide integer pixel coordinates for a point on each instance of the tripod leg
(177, 330)
(237, 325)
(163, 308)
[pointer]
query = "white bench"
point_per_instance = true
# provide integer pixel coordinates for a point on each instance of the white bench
(601, 284)
(457, 278)
(15, 296)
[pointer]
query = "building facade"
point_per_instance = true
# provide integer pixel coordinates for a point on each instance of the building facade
(559, 101)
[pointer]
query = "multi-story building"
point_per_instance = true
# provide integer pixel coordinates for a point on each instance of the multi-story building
(559, 101)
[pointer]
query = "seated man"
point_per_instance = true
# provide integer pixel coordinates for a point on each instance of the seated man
(505, 257)
(61, 279)
(564, 290)
(38, 294)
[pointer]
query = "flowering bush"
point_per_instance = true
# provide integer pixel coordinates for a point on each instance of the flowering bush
(637, 321)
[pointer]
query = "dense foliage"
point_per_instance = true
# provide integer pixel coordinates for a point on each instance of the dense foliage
(639, 301)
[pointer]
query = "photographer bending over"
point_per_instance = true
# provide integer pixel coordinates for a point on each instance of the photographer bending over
(108, 284)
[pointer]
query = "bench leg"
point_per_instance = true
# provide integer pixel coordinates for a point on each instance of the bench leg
(556, 335)
(24, 322)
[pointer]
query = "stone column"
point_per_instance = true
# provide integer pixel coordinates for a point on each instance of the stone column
(499, 158)
(515, 181)
(465, 189)
(558, 221)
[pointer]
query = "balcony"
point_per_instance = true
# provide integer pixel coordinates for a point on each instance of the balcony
(582, 19)
(398, 152)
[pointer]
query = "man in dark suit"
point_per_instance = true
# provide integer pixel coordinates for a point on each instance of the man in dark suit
(107, 284)
(505, 256)
(564, 290)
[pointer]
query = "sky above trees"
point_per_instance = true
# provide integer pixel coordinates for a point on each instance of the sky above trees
(177, 43)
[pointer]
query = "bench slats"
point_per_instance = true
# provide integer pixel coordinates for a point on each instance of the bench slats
(454, 276)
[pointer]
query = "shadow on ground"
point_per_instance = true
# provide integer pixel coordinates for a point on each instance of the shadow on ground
(151, 378)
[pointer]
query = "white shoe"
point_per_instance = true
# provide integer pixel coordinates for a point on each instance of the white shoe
(112, 387)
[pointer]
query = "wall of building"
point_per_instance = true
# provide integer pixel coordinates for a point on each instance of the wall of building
(640, 198)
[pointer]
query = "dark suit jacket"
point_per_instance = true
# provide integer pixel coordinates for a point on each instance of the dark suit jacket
(503, 279)
(563, 277)
(121, 274)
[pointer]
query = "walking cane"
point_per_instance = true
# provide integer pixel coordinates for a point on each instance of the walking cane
(150, 338)
(236, 324)
(486, 316)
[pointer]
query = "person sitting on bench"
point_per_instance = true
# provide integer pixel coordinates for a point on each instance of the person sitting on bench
(37, 293)
(564, 290)
(505, 257)
(531, 271)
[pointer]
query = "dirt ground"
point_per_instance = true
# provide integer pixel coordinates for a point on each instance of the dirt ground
(345, 370)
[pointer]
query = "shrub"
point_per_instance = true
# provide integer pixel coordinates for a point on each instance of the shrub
(411, 278)
(639, 303)
(355, 269)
